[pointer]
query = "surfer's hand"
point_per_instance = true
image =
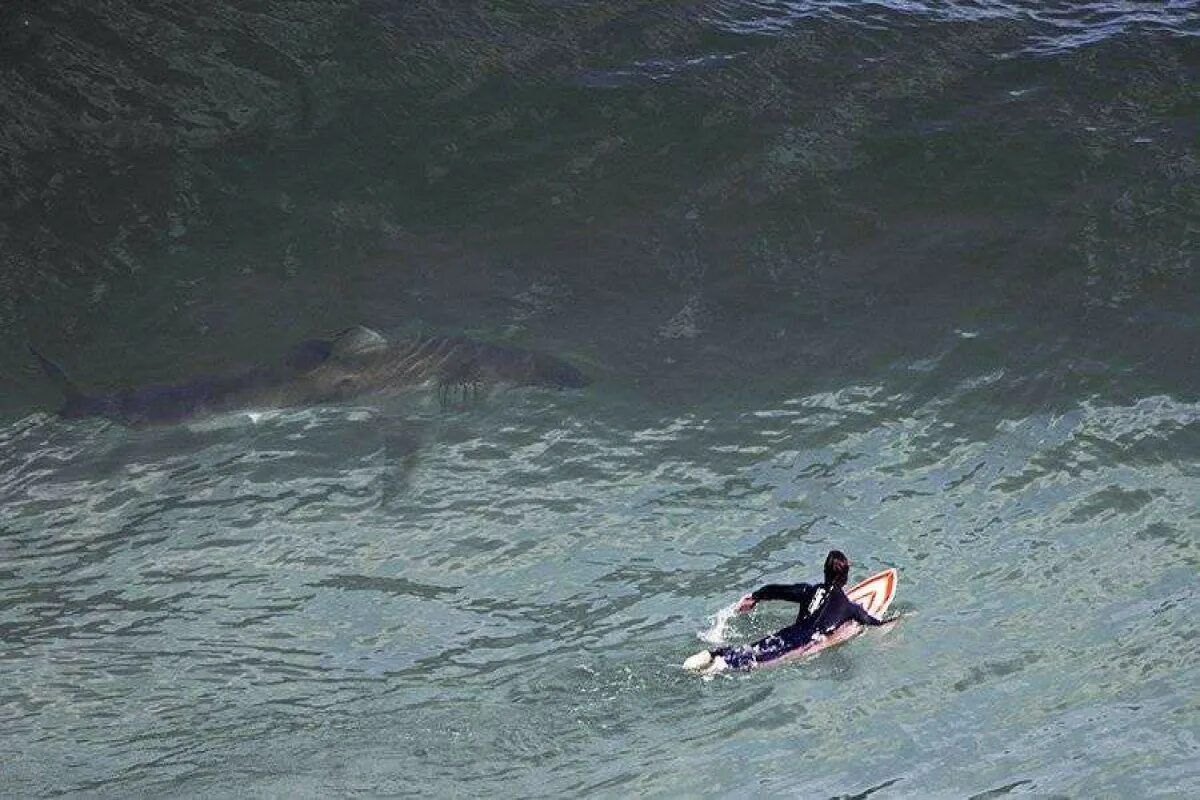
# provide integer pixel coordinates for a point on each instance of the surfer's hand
(745, 604)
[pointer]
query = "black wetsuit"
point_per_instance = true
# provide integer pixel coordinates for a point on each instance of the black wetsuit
(823, 608)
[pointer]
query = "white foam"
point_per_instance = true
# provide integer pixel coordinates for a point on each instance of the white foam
(715, 634)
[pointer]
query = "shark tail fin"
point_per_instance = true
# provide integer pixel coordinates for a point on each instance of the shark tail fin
(71, 393)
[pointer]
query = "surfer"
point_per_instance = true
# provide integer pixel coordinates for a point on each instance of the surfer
(823, 608)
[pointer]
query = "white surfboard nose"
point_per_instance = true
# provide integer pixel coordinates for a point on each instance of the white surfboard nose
(698, 661)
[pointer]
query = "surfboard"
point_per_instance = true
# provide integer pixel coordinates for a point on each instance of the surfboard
(874, 594)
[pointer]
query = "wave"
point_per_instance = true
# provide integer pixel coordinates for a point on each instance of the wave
(1055, 27)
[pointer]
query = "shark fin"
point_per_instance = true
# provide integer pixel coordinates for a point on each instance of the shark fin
(357, 342)
(73, 396)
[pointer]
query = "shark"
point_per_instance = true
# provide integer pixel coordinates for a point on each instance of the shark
(355, 363)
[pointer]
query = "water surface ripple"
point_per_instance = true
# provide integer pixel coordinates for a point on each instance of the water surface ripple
(1056, 27)
(496, 599)
(912, 279)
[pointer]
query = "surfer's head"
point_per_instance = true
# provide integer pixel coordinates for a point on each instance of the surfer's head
(837, 568)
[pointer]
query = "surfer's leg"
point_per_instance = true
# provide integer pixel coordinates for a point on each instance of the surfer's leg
(779, 644)
(736, 657)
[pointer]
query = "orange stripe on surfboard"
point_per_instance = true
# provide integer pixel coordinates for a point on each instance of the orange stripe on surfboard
(876, 592)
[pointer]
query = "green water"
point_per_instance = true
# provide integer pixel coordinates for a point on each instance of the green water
(917, 281)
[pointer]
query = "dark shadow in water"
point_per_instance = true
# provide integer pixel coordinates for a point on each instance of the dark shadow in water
(396, 586)
(1003, 790)
(865, 794)
(995, 669)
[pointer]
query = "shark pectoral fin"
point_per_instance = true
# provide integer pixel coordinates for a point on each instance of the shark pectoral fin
(357, 342)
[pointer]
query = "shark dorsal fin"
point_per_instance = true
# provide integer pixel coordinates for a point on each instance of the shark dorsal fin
(357, 342)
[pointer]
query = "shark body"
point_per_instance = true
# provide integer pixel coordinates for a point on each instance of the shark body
(355, 363)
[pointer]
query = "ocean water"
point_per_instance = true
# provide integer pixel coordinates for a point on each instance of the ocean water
(913, 280)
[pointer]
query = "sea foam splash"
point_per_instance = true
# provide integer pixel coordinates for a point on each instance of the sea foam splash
(715, 633)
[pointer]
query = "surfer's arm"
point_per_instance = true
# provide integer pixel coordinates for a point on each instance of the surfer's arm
(862, 616)
(790, 592)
